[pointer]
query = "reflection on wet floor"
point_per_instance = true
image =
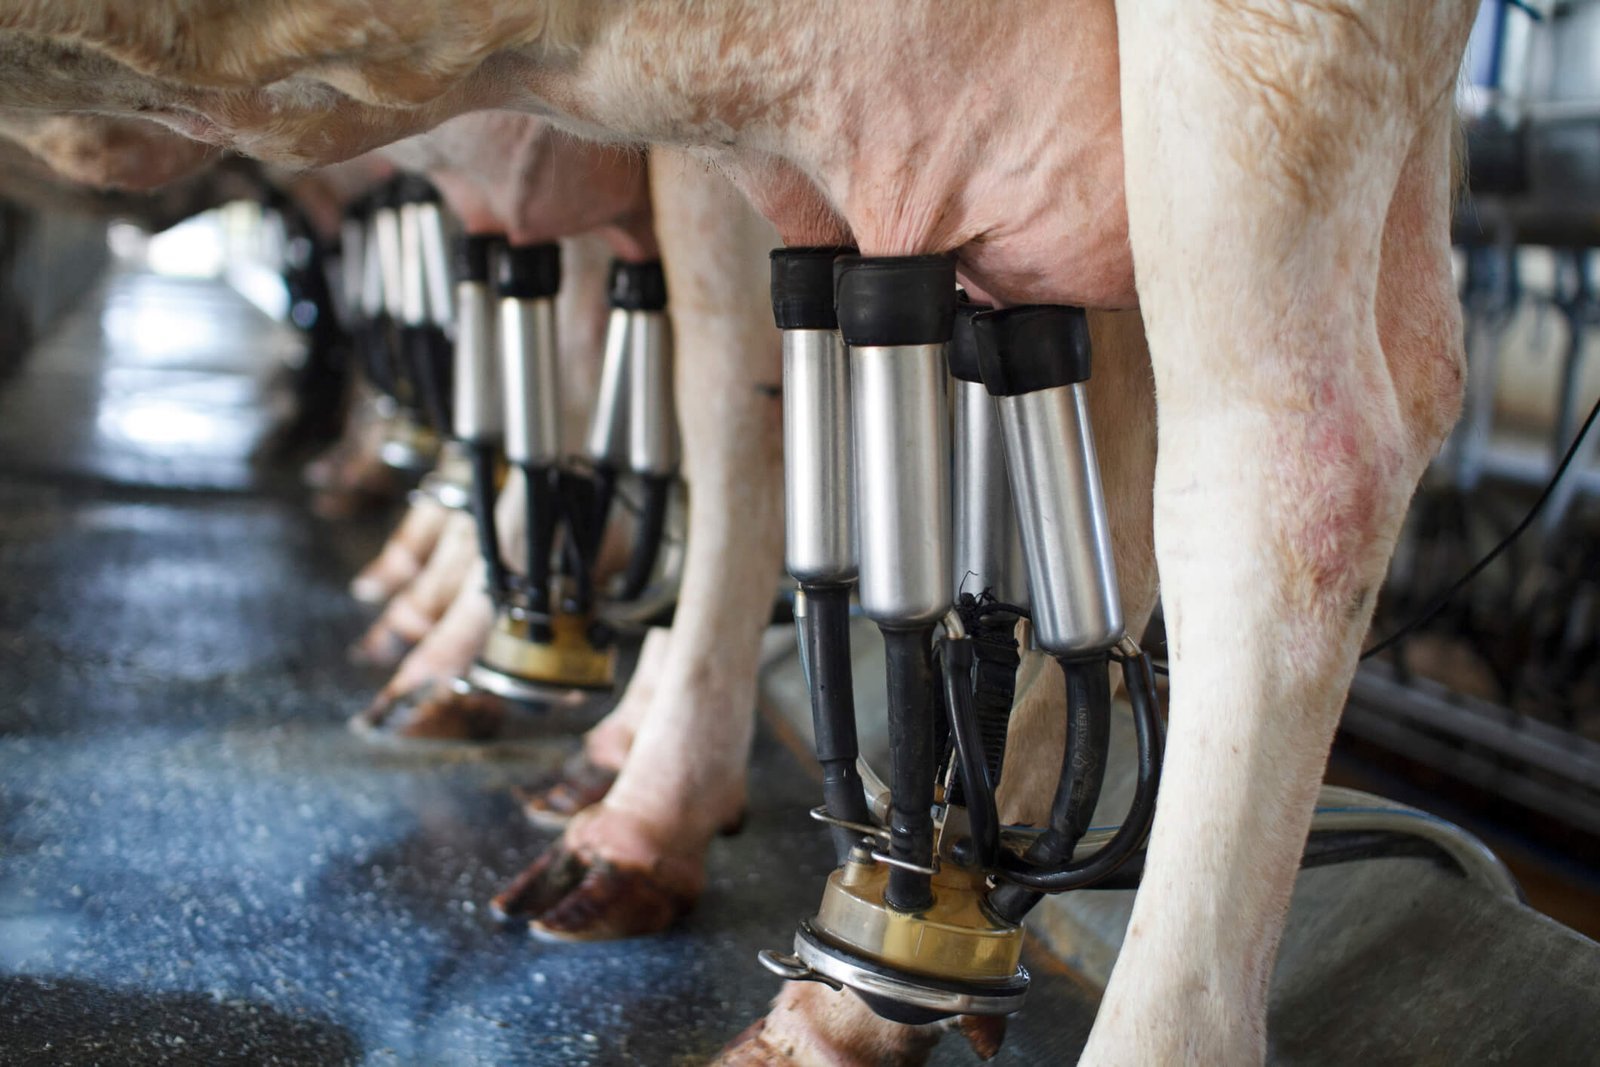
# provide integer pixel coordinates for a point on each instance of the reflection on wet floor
(201, 864)
(159, 382)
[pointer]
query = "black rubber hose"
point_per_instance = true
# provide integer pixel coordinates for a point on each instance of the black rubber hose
(825, 629)
(542, 517)
(440, 355)
(1083, 772)
(1130, 836)
(648, 535)
(364, 336)
(379, 344)
(909, 672)
(418, 354)
(483, 457)
(976, 784)
(581, 541)
(1146, 669)
(1324, 848)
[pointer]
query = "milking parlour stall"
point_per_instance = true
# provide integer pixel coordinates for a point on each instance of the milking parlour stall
(844, 534)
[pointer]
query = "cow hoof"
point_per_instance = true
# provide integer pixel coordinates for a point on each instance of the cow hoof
(985, 1033)
(751, 1049)
(613, 902)
(579, 784)
(540, 886)
(757, 1047)
(380, 646)
(565, 896)
(613, 874)
(373, 590)
(809, 1025)
(435, 712)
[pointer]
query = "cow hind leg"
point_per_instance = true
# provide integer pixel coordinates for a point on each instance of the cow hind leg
(584, 779)
(1266, 146)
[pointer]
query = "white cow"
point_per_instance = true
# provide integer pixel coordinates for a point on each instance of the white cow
(644, 845)
(1270, 180)
(513, 175)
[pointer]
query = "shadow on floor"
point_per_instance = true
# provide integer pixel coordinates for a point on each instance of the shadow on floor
(64, 1022)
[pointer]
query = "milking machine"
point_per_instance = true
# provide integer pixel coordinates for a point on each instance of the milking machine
(427, 321)
(635, 428)
(424, 301)
(409, 443)
(550, 641)
(922, 918)
(363, 281)
(390, 318)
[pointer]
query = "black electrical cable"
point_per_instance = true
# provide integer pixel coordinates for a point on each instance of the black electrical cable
(1444, 598)
(1324, 848)
(1439, 602)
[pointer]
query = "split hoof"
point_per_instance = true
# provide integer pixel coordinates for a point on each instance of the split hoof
(380, 647)
(751, 1049)
(375, 591)
(985, 1033)
(756, 1047)
(567, 896)
(436, 712)
(812, 1024)
(579, 784)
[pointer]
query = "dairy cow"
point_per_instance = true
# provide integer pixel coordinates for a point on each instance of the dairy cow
(661, 775)
(1269, 180)
(515, 176)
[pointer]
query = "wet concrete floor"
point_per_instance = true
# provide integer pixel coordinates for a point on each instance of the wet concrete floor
(199, 863)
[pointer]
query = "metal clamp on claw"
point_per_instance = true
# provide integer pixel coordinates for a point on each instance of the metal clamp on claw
(922, 919)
